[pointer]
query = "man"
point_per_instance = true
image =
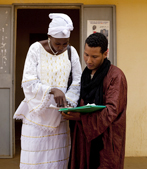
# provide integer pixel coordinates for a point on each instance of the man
(98, 138)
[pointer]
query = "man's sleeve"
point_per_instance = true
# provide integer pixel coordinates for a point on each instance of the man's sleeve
(96, 123)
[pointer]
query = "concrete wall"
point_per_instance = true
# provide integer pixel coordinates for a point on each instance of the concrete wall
(131, 19)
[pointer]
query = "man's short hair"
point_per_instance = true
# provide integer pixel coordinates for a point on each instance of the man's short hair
(97, 40)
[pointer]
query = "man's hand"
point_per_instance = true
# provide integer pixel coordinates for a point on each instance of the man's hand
(72, 116)
(59, 97)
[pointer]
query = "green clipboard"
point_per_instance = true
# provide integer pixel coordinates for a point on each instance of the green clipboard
(83, 109)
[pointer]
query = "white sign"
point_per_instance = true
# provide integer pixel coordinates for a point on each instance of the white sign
(103, 27)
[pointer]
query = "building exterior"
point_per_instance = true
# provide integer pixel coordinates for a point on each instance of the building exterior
(129, 53)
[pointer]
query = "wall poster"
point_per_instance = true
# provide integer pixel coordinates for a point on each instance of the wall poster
(101, 26)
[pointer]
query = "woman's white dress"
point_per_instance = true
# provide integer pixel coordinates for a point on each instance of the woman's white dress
(45, 137)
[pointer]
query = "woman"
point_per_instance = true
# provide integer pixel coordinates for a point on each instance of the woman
(45, 140)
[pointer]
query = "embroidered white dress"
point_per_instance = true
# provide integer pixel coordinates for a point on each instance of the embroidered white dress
(45, 137)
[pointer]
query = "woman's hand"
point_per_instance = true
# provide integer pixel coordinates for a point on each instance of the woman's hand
(59, 97)
(72, 116)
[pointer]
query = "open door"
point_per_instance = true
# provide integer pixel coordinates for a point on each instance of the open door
(31, 23)
(6, 81)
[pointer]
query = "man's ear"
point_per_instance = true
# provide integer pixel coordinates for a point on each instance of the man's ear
(105, 54)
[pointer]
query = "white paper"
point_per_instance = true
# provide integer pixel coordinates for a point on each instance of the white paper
(54, 107)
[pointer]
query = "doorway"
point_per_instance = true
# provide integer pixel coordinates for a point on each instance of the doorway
(31, 26)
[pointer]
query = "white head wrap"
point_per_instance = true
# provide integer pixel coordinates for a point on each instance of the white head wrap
(60, 26)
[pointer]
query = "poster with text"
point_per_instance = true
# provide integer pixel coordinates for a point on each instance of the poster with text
(100, 26)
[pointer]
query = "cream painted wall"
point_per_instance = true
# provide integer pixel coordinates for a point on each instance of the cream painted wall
(131, 19)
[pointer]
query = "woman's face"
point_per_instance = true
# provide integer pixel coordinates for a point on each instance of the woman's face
(59, 44)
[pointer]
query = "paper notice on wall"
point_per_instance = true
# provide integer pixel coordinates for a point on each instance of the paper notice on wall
(100, 26)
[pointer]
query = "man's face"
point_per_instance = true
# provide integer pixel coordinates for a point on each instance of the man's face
(93, 57)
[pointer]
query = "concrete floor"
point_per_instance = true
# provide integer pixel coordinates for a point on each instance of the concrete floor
(12, 163)
(135, 163)
(130, 162)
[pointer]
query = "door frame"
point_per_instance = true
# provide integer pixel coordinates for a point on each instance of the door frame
(114, 41)
(34, 6)
(79, 6)
(50, 6)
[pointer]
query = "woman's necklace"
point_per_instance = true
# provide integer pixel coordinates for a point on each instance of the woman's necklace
(51, 47)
